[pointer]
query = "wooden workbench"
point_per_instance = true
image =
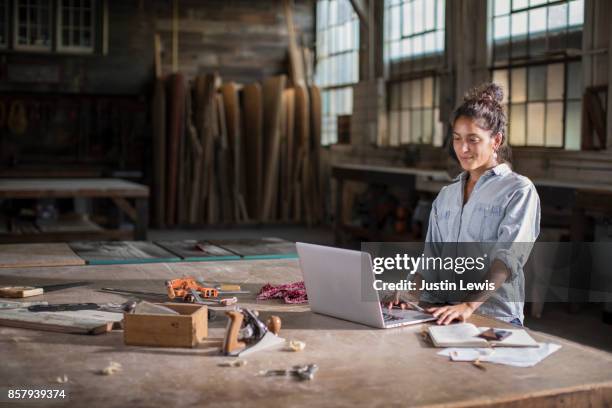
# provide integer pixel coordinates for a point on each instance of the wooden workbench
(117, 190)
(359, 366)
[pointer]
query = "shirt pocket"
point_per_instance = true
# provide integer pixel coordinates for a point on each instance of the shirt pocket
(485, 221)
(445, 219)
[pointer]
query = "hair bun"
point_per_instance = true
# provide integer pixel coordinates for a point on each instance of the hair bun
(487, 92)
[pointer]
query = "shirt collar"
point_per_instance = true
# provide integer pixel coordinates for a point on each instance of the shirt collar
(499, 170)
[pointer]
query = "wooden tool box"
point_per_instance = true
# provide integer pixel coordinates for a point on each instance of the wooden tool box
(184, 330)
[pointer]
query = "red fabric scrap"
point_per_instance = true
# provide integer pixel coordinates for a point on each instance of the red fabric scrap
(291, 292)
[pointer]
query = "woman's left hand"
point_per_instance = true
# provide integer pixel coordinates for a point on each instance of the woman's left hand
(446, 314)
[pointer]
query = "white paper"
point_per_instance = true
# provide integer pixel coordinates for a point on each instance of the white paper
(513, 356)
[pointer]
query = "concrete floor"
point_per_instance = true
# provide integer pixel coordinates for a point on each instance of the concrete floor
(585, 327)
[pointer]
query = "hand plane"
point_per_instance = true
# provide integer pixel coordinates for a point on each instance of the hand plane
(246, 333)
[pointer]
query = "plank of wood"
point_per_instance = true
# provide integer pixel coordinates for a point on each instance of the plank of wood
(159, 152)
(29, 255)
(289, 152)
(263, 248)
(207, 126)
(188, 251)
(224, 170)
(234, 128)
(296, 62)
(55, 322)
(121, 252)
(302, 129)
(176, 109)
(197, 163)
(272, 95)
(315, 129)
(253, 130)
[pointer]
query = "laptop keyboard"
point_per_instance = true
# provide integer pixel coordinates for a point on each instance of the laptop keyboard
(387, 317)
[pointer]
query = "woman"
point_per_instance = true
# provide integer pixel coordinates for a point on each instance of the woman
(487, 203)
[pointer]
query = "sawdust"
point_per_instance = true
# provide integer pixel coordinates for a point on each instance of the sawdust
(297, 345)
(62, 380)
(112, 368)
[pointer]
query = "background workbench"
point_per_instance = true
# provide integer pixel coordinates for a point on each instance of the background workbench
(117, 190)
(359, 366)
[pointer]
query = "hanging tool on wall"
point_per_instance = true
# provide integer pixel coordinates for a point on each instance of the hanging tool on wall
(246, 333)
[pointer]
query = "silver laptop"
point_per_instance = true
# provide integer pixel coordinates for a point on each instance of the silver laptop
(336, 287)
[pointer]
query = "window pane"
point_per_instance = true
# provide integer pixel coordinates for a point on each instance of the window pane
(394, 131)
(557, 17)
(555, 82)
(500, 77)
(517, 125)
(576, 12)
(416, 119)
(537, 83)
(519, 24)
(427, 125)
(501, 7)
(535, 124)
(405, 127)
(501, 27)
(554, 124)
(518, 85)
(573, 126)
(416, 92)
(574, 83)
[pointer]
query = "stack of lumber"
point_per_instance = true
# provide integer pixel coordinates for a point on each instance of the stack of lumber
(238, 153)
(233, 153)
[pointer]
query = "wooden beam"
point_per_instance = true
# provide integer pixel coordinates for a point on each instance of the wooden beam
(361, 9)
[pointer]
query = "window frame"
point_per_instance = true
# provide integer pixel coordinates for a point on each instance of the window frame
(327, 138)
(71, 49)
(30, 47)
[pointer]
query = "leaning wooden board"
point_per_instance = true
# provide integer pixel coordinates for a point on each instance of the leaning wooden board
(159, 152)
(29, 255)
(263, 248)
(176, 110)
(234, 132)
(273, 101)
(253, 129)
(121, 252)
(193, 250)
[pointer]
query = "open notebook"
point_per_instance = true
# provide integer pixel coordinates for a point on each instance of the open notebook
(466, 335)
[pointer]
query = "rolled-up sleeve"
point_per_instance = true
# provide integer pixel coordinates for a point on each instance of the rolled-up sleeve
(518, 230)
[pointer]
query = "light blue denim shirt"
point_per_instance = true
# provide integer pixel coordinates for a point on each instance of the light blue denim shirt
(502, 213)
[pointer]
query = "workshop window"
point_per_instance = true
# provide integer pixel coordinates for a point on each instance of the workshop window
(76, 26)
(32, 30)
(527, 28)
(413, 28)
(337, 62)
(543, 103)
(533, 59)
(414, 109)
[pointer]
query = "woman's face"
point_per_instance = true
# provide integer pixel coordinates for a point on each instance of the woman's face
(473, 145)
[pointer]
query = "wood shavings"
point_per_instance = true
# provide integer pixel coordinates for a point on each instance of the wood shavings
(19, 339)
(234, 363)
(111, 369)
(62, 380)
(297, 345)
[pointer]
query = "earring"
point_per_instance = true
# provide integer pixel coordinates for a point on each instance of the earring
(495, 155)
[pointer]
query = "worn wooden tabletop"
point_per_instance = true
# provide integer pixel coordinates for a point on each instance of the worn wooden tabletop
(359, 366)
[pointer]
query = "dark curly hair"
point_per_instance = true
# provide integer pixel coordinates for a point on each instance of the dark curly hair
(482, 103)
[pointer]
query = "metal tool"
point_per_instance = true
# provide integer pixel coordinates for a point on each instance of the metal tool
(71, 307)
(27, 291)
(304, 372)
(245, 333)
(196, 298)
